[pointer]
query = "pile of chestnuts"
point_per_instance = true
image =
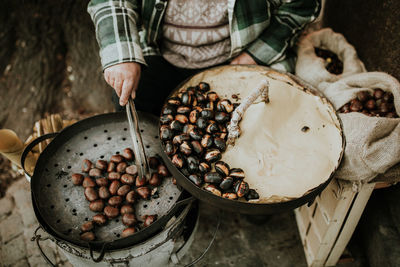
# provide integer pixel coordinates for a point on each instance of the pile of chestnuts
(378, 103)
(332, 63)
(194, 133)
(113, 187)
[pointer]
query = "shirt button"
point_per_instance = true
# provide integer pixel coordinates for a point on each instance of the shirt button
(159, 6)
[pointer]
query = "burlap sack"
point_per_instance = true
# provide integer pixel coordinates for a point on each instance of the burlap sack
(311, 68)
(372, 143)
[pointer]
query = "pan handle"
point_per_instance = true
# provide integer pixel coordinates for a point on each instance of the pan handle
(175, 257)
(101, 255)
(37, 237)
(31, 145)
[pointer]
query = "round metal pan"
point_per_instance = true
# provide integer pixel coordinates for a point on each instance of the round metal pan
(62, 208)
(243, 207)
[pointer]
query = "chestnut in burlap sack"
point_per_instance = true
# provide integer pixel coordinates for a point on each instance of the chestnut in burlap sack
(311, 68)
(372, 143)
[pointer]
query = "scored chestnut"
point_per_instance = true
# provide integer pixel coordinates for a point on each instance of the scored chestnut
(166, 132)
(193, 164)
(102, 181)
(179, 139)
(204, 167)
(222, 168)
(104, 192)
(125, 209)
(202, 123)
(175, 101)
(117, 158)
(203, 87)
(155, 179)
(127, 153)
(114, 187)
(220, 143)
(168, 110)
(149, 219)
(183, 110)
(207, 114)
(121, 167)
(101, 164)
(231, 195)
(88, 236)
(213, 189)
(212, 155)
(128, 231)
(185, 148)
(111, 166)
(111, 212)
(176, 126)
(212, 96)
(128, 179)
(197, 148)
(196, 179)
(241, 188)
(114, 175)
(97, 205)
(129, 219)
(86, 165)
(237, 173)
(163, 171)
(94, 172)
(195, 134)
(123, 190)
(177, 160)
(77, 178)
(99, 219)
(88, 182)
(181, 118)
(166, 119)
(213, 178)
(225, 105)
(140, 181)
(131, 197)
(143, 192)
(91, 194)
(222, 117)
(132, 170)
(115, 201)
(170, 149)
(194, 116)
(87, 226)
(207, 141)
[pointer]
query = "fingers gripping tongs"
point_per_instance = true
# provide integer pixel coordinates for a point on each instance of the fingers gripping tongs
(138, 148)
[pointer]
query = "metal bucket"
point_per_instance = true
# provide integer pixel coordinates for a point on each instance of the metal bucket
(166, 248)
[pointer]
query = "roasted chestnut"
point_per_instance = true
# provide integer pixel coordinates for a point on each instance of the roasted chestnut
(168, 110)
(212, 155)
(187, 128)
(166, 119)
(187, 98)
(166, 133)
(185, 148)
(363, 96)
(225, 105)
(203, 87)
(237, 173)
(206, 141)
(202, 123)
(252, 195)
(169, 148)
(241, 188)
(204, 167)
(183, 110)
(222, 168)
(193, 164)
(200, 97)
(195, 134)
(213, 178)
(177, 160)
(140, 181)
(356, 105)
(194, 116)
(212, 127)
(378, 93)
(231, 195)
(370, 104)
(115, 201)
(77, 178)
(178, 139)
(207, 114)
(176, 126)
(213, 189)
(212, 96)
(222, 117)
(196, 179)
(174, 101)
(197, 148)
(220, 143)
(226, 183)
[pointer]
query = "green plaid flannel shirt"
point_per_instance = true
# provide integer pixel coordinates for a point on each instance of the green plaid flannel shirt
(128, 30)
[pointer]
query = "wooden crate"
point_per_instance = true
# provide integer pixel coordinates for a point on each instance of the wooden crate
(327, 225)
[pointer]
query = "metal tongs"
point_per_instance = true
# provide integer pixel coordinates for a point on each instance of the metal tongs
(138, 148)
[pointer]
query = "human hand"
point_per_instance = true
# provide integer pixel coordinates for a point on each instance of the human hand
(124, 78)
(243, 59)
